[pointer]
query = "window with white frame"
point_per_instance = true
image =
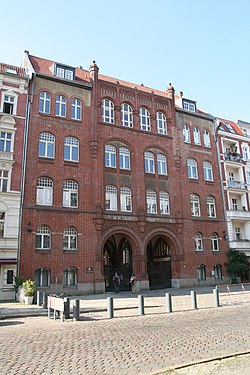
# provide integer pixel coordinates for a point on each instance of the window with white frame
(71, 149)
(46, 147)
(248, 177)
(189, 106)
(161, 123)
(245, 152)
(107, 111)
(201, 272)
(125, 199)
(234, 204)
(195, 205)
(43, 238)
(198, 242)
(66, 73)
(44, 102)
(60, 106)
(162, 164)
(192, 169)
(110, 156)
(2, 221)
(69, 239)
(69, 277)
(44, 191)
(76, 109)
(144, 116)
(207, 171)
(5, 142)
(206, 138)
(126, 115)
(4, 177)
(218, 271)
(111, 198)
(164, 203)
(215, 242)
(124, 158)
(186, 134)
(42, 277)
(149, 162)
(151, 202)
(211, 211)
(8, 104)
(237, 233)
(70, 194)
(197, 136)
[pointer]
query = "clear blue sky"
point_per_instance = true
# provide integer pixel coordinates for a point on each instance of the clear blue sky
(200, 46)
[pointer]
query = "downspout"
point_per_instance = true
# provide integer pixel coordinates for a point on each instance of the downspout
(24, 156)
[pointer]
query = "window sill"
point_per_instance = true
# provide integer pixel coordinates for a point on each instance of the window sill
(43, 251)
(70, 251)
(69, 286)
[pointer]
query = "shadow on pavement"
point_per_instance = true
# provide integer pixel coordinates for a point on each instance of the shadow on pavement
(4, 323)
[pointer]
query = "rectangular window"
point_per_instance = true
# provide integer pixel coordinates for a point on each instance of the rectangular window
(3, 180)
(2, 219)
(8, 104)
(10, 277)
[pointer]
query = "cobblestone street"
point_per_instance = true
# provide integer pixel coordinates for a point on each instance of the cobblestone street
(125, 345)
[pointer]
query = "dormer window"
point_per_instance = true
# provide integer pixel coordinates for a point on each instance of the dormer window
(65, 72)
(189, 106)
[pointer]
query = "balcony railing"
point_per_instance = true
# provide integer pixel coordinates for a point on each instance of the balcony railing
(233, 156)
(243, 244)
(236, 184)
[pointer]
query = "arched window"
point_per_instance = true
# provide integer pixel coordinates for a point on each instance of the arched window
(144, 119)
(211, 211)
(197, 136)
(111, 198)
(208, 171)
(69, 239)
(162, 164)
(126, 115)
(151, 202)
(149, 162)
(195, 205)
(161, 123)
(44, 191)
(124, 158)
(125, 199)
(43, 238)
(42, 277)
(60, 106)
(76, 109)
(218, 271)
(206, 138)
(186, 133)
(198, 242)
(70, 193)
(201, 272)
(107, 111)
(192, 169)
(46, 145)
(69, 277)
(71, 149)
(44, 103)
(164, 203)
(110, 156)
(215, 242)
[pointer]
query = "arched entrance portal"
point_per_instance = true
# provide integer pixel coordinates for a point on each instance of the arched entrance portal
(117, 254)
(158, 263)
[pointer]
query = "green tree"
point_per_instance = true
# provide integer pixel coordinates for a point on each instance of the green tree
(237, 262)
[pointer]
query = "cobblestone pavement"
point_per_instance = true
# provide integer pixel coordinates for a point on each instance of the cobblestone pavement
(126, 345)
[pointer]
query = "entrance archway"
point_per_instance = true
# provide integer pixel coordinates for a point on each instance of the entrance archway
(117, 255)
(158, 263)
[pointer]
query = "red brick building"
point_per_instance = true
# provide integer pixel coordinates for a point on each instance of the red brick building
(13, 100)
(107, 187)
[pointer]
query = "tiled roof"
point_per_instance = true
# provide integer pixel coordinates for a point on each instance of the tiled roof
(230, 127)
(12, 69)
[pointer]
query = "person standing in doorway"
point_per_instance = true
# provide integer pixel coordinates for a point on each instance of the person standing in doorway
(133, 283)
(117, 282)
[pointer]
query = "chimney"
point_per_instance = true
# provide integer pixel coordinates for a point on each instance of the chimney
(93, 70)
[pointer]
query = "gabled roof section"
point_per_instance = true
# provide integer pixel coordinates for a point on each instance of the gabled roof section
(12, 70)
(229, 127)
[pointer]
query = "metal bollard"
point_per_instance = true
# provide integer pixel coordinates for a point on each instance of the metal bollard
(216, 298)
(67, 307)
(76, 310)
(194, 300)
(141, 304)
(39, 297)
(45, 301)
(110, 308)
(168, 302)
